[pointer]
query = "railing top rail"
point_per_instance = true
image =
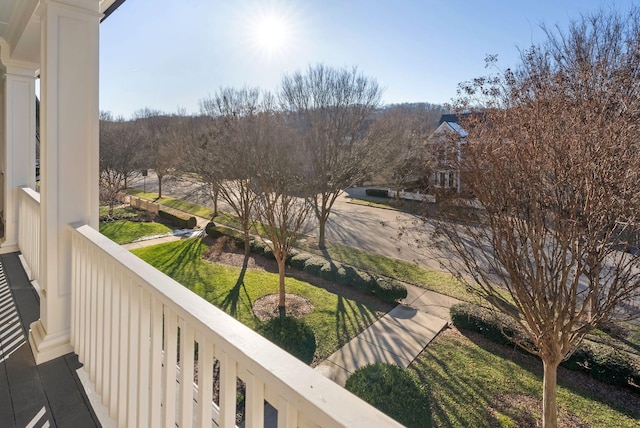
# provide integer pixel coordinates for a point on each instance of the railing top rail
(31, 193)
(314, 395)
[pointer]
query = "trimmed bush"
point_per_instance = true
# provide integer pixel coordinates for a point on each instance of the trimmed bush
(291, 254)
(389, 290)
(314, 265)
(493, 325)
(178, 219)
(213, 231)
(393, 390)
(268, 253)
(355, 278)
(329, 271)
(256, 246)
(603, 362)
(291, 334)
(380, 193)
(236, 236)
(298, 261)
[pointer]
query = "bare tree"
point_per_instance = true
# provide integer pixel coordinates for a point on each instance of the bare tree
(331, 108)
(280, 188)
(160, 142)
(199, 142)
(119, 157)
(404, 131)
(553, 160)
(236, 129)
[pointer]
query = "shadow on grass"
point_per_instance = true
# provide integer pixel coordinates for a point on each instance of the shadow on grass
(621, 399)
(460, 396)
(230, 302)
(177, 261)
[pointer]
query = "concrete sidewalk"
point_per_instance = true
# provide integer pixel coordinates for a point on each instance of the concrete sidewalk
(396, 338)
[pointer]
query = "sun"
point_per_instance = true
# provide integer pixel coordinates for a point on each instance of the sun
(272, 33)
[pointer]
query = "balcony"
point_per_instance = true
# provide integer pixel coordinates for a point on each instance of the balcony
(148, 347)
(91, 335)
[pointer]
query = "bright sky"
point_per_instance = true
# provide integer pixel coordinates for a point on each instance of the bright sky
(169, 54)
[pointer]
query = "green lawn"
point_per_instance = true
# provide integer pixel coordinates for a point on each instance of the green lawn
(335, 319)
(177, 204)
(125, 231)
(489, 385)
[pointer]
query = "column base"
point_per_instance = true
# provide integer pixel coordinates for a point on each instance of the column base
(48, 347)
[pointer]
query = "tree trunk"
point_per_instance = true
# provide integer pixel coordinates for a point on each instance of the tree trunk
(323, 223)
(549, 394)
(282, 299)
(247, 239)
(215, 202)
(159, 186)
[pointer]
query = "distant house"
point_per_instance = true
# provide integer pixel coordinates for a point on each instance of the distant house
(444, 149)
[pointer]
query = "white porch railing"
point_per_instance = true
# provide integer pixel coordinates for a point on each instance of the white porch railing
(137, 331)
(29, 231)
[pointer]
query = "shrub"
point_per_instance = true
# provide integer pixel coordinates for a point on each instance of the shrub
(291, 254)
(355, 278)
(493, 325)
(380, 193)
(393, 390)
(314, 265)
(213, 231)
(603, 362)
(299, 260)
(268, 253)
(389, 290)
(291, 334)
(178, 219)
(256, 246)
(328, 271)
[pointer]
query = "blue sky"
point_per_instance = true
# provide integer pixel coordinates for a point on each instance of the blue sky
(169, 54)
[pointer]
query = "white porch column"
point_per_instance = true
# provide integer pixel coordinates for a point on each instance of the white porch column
(68, 158)
(18, 158)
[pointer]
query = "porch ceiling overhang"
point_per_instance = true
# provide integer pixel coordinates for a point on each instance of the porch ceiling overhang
(20, 28)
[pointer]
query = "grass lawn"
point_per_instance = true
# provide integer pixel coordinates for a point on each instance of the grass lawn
(335, 319)
(125, 231)
(177, 204)
(475, 383)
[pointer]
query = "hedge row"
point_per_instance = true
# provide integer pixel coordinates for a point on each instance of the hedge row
(603, 362)
(178, 219)
(386, 289)
(381, 193)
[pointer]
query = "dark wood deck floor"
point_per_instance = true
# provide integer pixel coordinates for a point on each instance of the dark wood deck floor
(48, 395)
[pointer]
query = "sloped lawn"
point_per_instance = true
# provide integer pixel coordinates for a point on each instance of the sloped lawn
(476, 383)
(125, 231)
(335, 318)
